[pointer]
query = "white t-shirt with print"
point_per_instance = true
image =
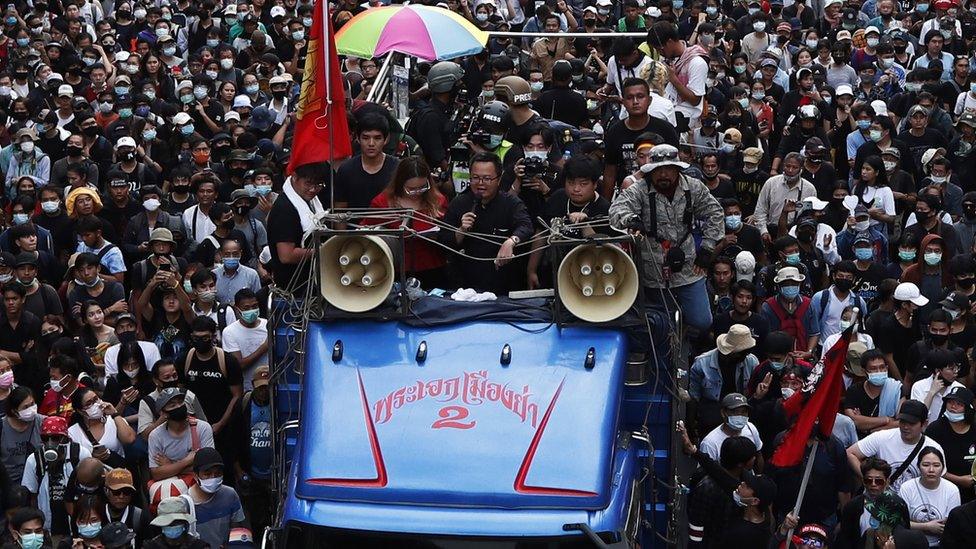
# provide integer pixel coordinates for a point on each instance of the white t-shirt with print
(887, 446)
(926, 505)
(711, 445)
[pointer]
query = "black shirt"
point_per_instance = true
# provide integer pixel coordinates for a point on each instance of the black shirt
(204, 377)
(619, 144)
(823, 180)
(747, 187)
(283, 226)
(748, 239)
(356, 187)
(502, 217)
(857, 398)
(960, 450)
(866, 282)
(16, 340)
(724, 188)
(892, 337)
(559, 206)
(563, 104)
(429, 127)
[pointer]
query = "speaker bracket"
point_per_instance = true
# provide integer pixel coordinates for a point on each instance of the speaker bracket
(422, 352)
(506, 357)
(337, 351)
(590, 361)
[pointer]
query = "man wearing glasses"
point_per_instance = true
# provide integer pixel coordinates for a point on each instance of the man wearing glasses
(490, 226)
(291, 218)
(661, 208)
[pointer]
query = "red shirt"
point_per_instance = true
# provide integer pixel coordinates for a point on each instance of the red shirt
(57, 404)
(419, 255)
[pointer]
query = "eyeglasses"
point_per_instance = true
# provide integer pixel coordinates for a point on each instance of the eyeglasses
(121, 492)
(483, 178)
(418, 191)
(874, 481)
(665, 155)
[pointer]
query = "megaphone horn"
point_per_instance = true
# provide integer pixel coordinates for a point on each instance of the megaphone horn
(356, 271)
(597, 282)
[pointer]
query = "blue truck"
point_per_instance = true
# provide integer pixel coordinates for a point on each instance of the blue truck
(469, 425)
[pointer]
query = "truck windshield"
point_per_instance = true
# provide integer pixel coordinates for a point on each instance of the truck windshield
(303, 536)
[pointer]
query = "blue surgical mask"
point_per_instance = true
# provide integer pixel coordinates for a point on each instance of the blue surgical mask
(954, 417)
(121, 90)
(187, 130)
(922, 8)
(263, 190)
(31, 541)
(150, 94)
(733, 222)
(251, 89)
(174, 531)
(307, 22)
(863, 124)
(933, 258)
(89, 531)
(793, 258)
(737, 423)
(494, 141)
(213, 42)
(864, 254)
(148, 135)
(23, 42)
(789, 292)
(232, 263)
(250, 316)
(298, 36)
(125, 112)
(142, 111)
(875, 135)
(877, 378)
(677, 4)
(21, 218)
(776, 365)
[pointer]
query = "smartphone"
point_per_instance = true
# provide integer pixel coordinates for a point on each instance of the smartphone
(97, 449)
(165, 267)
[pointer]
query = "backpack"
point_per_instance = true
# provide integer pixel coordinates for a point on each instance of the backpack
(74, 456)
(792, 324)
(221, 359)
(824, 300)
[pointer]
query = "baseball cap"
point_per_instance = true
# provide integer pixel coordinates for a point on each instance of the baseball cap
(181, 119)
(175, 508)
(66, 90)
(54, 425)
(907, 291)
(862, 236)
(125, 142)
(745, 265)
(119, 478)
(762, 486)
(815, 203)
(262, 376)
(843, 35)
(854, 352)
(913, 411)
(768, 63)
(25, 258)
(167, 395)
(242, 101)
(808, 530)
(918, 109)
(844, 89)
(208, 457)
(232, 115)
(956, 300)
(732, 401)
(962, 394)
(752, 155)
(871, 29)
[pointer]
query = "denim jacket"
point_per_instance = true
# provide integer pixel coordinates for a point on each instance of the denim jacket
(705, 378)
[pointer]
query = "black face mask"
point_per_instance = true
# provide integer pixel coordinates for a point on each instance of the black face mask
(965, 283)
(178, 414)
(91, 131)
(74, 150)
(171, 384)
(805, 237)
(236, 172)
(21, 75)
(126, 337)
(844, 285)
(969, 212)
(48, 339)
(19, 115)
(901, 49)
(203, 345)
(242, 210)
(181, 189)
(279, 94)
(129, 156)
(938, 339)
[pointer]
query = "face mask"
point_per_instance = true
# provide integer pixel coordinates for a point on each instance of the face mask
(753, 11)
(864, 254)
(74, 150)
(481, 17)
(250, 316)
(759, 96)
(170, 51)
(845, 324)
(789, 292)
(298, 36)
(128, 156)
(162, 32)
(939, 179)
(151, 204)
(95, 411)
(706, 40)
(811, 43)
(28, 414)
(922, 8)
(887, 63)
(733, 222)
(307, 22)
(263, 190)
(739, 69)
(872, 42)
(793, 259)
(535, 86)
(139, 13)
(131, 373)
(27, 147)
(863, 124)
(200, 92)
(787, 392)
(603, 11)
(232, 263)
(759, 26)
(187, 287)
(776, 365)
(125, 113)
(744, 102)
(712, 11)
(954, 417)
(187, 130)
(213, 42)
(890, 165)
(21, 218)
(178, 414)
(737, 423)
(677, 4)
(541, 155)
(6, 380)
(58, 384)
(148, 135)
(877, 378)
(226, 64)
(174, 531)
(31, 541)
(875, 135)
(211, 485)
(105, 107)
(203, 345)
(862, 226)
(933, 258)
(906, 256)
(207, 296)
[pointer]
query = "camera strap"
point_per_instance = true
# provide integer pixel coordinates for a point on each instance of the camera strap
(673, 257)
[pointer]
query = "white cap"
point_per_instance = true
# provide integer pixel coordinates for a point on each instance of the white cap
(65, 89)
(745, 265)
(815, 203)
(278, 79)
(871, 29)
(276, 11)
(590, 9)
(231, 9)
(789, 273)
(843, 89)
(906, 291)
(604, 2)
(122, 56)
(879, 106)
(181, 119)
(126, 142)
(653, 11)
(232, 115)
(184, 84)
(242, 101)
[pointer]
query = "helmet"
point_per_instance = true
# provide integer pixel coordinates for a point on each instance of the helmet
(493, 117)
(513, 90)
(443, 76)
(809, 112)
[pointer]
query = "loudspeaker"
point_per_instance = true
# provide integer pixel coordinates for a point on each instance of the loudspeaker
(357, 272)
(597, 282)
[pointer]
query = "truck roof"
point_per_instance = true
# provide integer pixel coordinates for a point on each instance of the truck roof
(460, 429)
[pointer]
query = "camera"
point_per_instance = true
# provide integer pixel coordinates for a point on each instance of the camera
(535, 168)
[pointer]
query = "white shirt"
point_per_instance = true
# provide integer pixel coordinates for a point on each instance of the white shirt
(946, 218)
(149, 351)
(697, 75)
(925, 505)
(661, 107)
(42, 491)
(881, 198)
(711, 445)
(110, 437)
(888, 446)
(965, 102)
(238, 337)
(197, 224)
(921, 388)
(829, 341)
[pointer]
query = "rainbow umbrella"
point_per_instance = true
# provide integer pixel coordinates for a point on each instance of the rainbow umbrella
(426, 32)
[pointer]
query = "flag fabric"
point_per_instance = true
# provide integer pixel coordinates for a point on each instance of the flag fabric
(818, 400)
(321, 129)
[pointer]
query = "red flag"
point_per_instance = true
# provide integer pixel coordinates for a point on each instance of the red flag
(321, 129)
(819, 399)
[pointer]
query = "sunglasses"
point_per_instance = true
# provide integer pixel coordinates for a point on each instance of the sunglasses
(661, 156)
(121, 492)
(874, 482)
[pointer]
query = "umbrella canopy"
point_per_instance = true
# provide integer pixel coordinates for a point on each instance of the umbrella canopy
(426, 32)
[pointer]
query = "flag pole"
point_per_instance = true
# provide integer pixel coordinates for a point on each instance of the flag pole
(803, 487)
(327, 48)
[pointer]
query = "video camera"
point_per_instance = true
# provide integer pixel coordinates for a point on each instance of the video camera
(536, 168)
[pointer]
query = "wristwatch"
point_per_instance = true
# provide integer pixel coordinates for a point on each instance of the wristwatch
(515, 239)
